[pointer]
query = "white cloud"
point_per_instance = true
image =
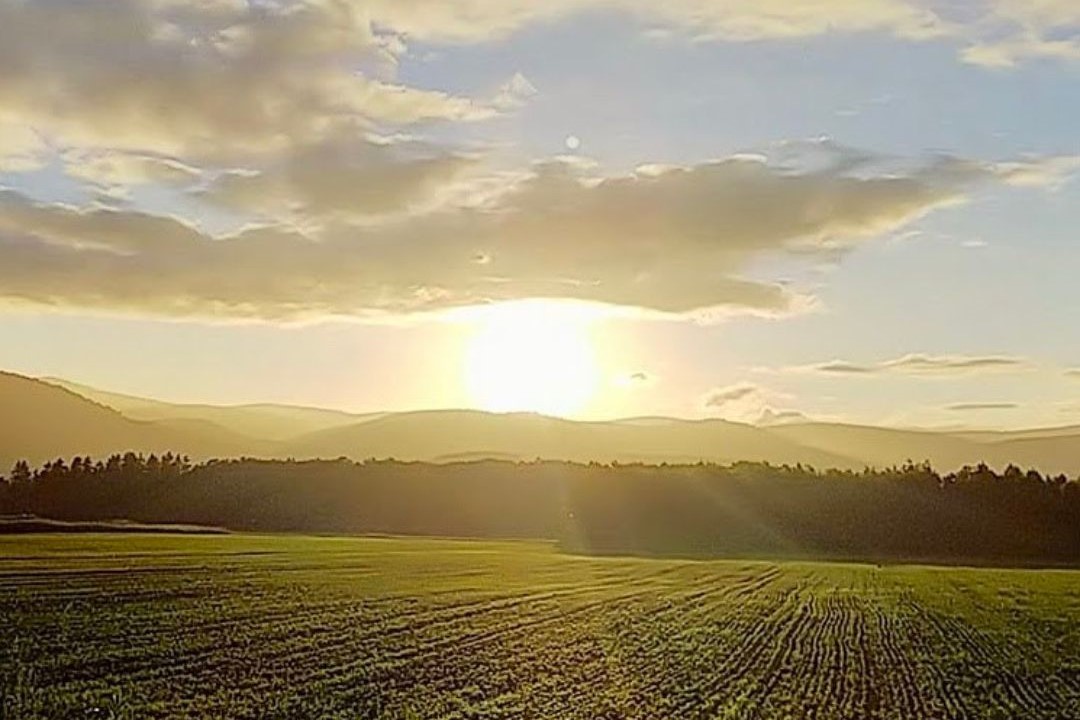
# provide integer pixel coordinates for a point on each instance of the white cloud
(514, 93)
(1049, 172)
(109, 169)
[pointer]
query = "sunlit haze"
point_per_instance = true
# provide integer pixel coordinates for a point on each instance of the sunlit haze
(856, 212)
(532, 357)
(553, 359)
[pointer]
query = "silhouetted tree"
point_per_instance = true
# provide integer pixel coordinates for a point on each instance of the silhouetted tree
(909, 512)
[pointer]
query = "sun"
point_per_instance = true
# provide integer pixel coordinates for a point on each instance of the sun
(531, 356)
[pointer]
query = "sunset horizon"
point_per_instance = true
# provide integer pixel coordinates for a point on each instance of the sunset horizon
(540, 359)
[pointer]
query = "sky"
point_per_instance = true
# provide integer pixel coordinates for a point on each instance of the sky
(861, 212)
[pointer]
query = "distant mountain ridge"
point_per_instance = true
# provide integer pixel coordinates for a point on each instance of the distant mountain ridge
(265, 420)
(44, 419)
(40, 421)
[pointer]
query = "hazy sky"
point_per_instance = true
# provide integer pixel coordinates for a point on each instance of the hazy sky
(859, 211)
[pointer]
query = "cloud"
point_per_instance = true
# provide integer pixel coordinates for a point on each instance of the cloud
(342, 177)
(843, 368)
(749, 403)
(953, 364)
(781, 417)
(980, 406)
(675, 241)
(742, 402)
(114, 172)
(1009, 53)
(220, 81)
(514, 93)
(1008, 32)
(990, 33)
(21, 149)
(1073, 373)
(636, 379)
(918, 364)
(483, 20)
(1045, 172)
(722, 397)
(206, 79)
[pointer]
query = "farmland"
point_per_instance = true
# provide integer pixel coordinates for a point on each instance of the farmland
(249, 626)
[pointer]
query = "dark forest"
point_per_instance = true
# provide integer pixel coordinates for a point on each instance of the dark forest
(747, 509)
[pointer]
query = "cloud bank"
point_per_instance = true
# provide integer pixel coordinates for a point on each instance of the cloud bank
(289, 115)
(677, 240)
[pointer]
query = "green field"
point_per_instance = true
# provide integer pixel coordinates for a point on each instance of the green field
(295, 627)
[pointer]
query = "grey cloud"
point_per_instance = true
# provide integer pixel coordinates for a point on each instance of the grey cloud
(724, 396)
(917, 364)
(977, 406)
(749, 403)
(952, 364)
(841, 367)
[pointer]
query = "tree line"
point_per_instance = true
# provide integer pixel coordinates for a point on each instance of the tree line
(747, 509)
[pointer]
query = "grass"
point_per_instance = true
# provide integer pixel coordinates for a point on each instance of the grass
(133, 626)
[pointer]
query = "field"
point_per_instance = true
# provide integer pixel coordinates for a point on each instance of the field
(300, 627)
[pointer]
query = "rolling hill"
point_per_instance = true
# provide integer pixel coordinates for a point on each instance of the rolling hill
(41, 420)
(446, 435)
(265, 421)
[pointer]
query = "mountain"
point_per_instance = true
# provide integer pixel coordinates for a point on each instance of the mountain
(266, 421)
(445, 435)
(1052, 450)
(1050, 453)
(883, 447)
(40, 421)
(994, 436)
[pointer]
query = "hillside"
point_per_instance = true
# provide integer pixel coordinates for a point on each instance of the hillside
(440, 436)
(1053, 450)
(40, 421)
(266, 421)
(882, 447)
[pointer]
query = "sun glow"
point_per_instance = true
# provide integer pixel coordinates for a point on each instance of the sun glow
(532, 356)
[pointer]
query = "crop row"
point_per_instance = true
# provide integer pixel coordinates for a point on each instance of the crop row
(471, 631)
